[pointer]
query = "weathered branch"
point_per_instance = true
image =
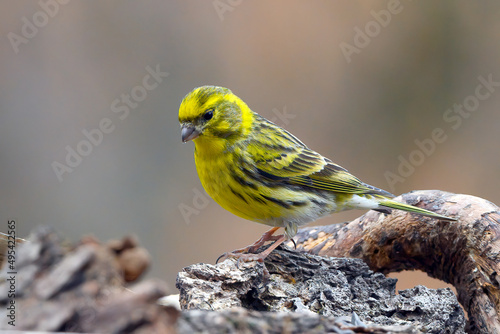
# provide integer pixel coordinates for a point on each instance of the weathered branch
(465, 253)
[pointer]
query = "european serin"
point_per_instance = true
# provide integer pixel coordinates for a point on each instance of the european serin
(260, 172)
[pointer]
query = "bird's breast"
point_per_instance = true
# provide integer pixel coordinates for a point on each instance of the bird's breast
(222, 180)
(252, 198)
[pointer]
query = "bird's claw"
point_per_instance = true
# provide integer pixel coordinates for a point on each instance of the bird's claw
(241, 256)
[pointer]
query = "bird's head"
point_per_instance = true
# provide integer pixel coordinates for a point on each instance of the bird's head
(213, 113)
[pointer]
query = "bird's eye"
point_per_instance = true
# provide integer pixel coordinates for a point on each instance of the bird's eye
(208, 114)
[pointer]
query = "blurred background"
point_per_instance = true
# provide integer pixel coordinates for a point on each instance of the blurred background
(89, 96)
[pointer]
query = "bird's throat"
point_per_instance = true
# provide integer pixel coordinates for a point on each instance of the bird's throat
(209, 148)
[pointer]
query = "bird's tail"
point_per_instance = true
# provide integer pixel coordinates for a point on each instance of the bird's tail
(389, 203)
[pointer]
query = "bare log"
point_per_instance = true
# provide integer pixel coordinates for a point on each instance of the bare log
(465, 253)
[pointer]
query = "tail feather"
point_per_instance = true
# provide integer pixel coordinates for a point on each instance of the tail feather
(389, 203)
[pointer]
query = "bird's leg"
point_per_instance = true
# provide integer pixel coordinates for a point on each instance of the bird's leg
(262, 255)
(259, 257)
(268, 236)
(246, 254)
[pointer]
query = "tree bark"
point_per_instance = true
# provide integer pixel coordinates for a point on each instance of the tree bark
(463, 253)
(305, 293)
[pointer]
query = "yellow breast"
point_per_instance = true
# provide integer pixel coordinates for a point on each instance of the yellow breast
(229, 187)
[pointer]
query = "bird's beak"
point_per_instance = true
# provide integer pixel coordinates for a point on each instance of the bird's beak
(189, 132)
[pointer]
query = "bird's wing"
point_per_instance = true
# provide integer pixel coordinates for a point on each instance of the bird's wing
(280, 157)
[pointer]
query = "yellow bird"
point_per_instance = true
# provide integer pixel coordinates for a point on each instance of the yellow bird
(261, 172)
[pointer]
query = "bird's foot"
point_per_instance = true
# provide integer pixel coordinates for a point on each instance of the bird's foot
(251, 249)
(241, 256)
(247, 254)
